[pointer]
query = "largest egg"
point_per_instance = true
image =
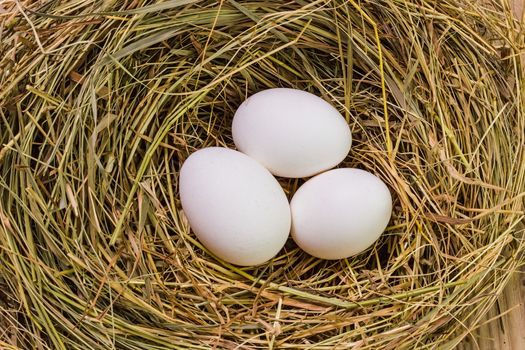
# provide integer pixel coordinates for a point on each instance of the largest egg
(235, 207)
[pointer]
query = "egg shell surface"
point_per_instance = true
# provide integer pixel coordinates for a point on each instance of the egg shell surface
(293, 133)
(340, 213)
(235, 207)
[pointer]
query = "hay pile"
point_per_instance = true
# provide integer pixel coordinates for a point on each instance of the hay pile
(101, 102)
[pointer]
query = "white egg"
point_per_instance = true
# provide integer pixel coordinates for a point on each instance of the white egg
(235, 207)
(340, 213)
(291, 132)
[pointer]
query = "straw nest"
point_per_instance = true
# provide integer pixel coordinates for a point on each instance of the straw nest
(101, 102)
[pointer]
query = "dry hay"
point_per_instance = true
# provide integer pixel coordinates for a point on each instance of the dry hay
(101, 101)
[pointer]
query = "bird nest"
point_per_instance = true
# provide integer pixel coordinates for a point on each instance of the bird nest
(102, 101)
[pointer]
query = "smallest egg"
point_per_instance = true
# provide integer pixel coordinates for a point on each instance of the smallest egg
(340, 213)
